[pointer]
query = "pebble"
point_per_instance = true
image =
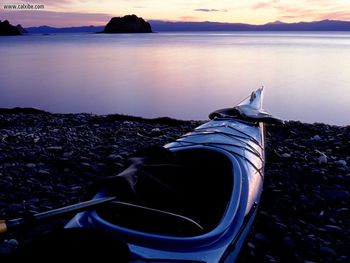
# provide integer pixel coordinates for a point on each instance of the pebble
(285, 155)
(31, 165)
(327, 250)
(316, 138)
(251, 245)
(34, 200)
(289, 242)
(262, 238)
(322, 159)
(337, 195)
(76, 188)
(43, 172)
(341, 163)
(12, 242)
(115, 157)
(67, 154)
(333, 228)
(54, 148)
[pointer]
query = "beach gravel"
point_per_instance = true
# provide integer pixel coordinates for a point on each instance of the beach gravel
(52, 160)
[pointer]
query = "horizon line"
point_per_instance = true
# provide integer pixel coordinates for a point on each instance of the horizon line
(179, 21)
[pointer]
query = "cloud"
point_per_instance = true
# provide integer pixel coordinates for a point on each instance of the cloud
(295, 10)
(56, 19)
(188, 18)
(288, 17)
(210, 10)
(269, 4)
(339, 15)
(321, 12)
(319, 2)
(316, 15)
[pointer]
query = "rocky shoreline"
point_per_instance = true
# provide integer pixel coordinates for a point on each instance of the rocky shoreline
(51, 160)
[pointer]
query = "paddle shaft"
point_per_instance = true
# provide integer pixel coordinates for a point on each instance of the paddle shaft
(13, 223)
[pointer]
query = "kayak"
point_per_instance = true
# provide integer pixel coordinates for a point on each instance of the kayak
(220, 208)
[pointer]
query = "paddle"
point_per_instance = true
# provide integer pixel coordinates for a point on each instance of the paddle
(5, 225)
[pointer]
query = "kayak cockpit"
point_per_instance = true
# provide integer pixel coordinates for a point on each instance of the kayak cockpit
(149, 220)
(204, 186)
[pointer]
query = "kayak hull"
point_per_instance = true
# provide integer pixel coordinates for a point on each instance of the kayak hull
(240, 142)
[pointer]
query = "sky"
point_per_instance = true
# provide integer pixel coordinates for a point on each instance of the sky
(98, 12)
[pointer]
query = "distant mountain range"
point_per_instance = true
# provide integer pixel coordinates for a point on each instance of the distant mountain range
(162, 26)
(53, 30)
(324, 25)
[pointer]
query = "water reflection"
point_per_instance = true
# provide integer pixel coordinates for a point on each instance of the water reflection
(182, 75)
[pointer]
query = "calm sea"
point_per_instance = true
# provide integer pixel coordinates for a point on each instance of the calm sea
(181, 75)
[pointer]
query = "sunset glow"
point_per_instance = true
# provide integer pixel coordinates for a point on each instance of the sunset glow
(93, 12)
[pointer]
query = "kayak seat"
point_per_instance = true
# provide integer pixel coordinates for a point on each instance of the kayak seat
(194, 184)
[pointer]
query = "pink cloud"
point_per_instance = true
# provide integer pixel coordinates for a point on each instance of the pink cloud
(269, 4)
(314, 10)
(339, 15)
(311, 10)
(57, 19)
(188, 18)
(319, 2)
(312, 14)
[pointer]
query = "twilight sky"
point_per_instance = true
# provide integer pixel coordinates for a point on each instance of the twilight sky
(98, 12)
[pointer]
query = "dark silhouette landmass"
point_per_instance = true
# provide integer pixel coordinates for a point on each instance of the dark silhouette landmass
(6, 29)
(21, 29)
(20, 110)
(161, 26)
(127, 24)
